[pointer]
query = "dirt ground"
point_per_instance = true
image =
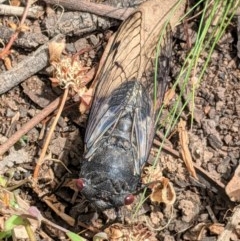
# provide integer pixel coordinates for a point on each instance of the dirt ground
(204, 207)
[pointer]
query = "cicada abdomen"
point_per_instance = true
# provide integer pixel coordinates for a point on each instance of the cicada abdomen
(120, 128)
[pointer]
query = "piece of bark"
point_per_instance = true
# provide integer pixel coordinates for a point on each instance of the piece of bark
(26, 68)
(76, 23)
(25, 39)
(99, 9)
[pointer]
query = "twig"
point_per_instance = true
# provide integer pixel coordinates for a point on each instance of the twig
(99, 9)
(29, 125)
(48, 139)
(34, 12)
(25, 69)
(211, 214)
(66, 218)
(231, 226)
(184, 141)
(6, 50)
(167, 148)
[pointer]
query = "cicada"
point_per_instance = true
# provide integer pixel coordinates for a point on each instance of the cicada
(121, 124)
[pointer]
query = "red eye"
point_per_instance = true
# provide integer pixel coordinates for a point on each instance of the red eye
(80, 184)
(128, 199)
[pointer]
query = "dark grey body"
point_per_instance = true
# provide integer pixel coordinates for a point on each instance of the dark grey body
(121, 125)
(113, 169)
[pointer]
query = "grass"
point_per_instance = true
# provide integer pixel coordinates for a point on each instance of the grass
(213, 20)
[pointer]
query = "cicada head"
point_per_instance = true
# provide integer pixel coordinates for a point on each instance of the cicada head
(108, 180)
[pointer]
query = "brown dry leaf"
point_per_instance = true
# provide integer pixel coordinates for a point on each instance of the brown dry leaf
(12, 25)
(233, 187)
(7, 63)
(23, 28)
(114, 232)
(216, 228)
(184, 142)
(207, 109)
(55, 50)
(16, 3)
(86, 100)
(162, 189)
(169, 96)
(163, 192)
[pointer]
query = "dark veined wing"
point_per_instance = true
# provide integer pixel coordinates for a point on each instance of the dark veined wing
(156, 74)
(155, 84)
(122, 64)
(130, 58)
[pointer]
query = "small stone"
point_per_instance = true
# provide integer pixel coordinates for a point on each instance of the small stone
(222, 168)
(228, 139)
(219, 105)
(214, 141)
(212, 113)
(207, 156)
(220, 95)
(10, 113)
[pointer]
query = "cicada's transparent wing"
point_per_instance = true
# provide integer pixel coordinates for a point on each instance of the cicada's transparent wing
(129, 60)
(155, 86)
(121, 65)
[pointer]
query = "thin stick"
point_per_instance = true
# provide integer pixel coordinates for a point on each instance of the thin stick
(29, 125)
(99, 9)
(48, 139)
(34, 12)
(15, 35)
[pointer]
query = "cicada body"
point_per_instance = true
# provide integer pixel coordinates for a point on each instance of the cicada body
(121, 124)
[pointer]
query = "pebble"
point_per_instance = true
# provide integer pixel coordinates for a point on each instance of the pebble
(228, 139)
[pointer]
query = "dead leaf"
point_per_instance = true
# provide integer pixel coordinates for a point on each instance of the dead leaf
(163, 192)
(114, 232)
(7, 63)
(86, 100)
(55, 50)
(169, 96)
(16, 3)
(184, 142)
(216, 228)
(12, 25)
(23, 28)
